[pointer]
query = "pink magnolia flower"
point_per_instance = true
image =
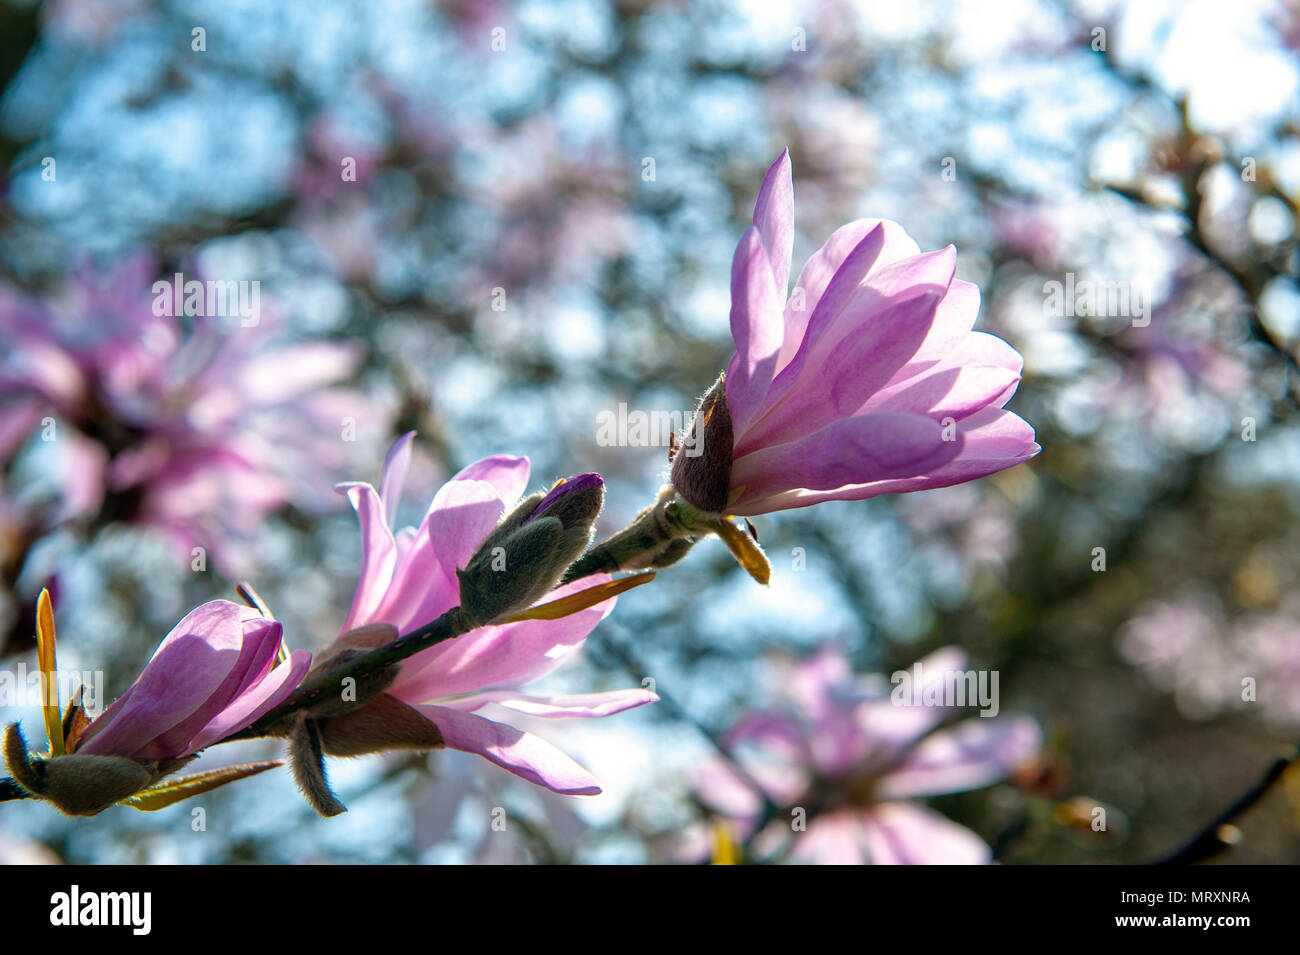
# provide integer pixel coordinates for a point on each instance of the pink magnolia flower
(214, 674)
(408, 579)
(857, 762)
(198, 433)
(868, 380)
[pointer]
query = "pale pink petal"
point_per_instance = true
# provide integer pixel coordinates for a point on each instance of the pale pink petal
(877, 333)
(423, 588)
(775, 732)
(974, 753)
(189, 666)
(896, 722)
(774, 219)
(575, 704)
(834, 838)
(523, 754)
(902, 834)
(261, 641)
(829, 281)
(842, 455)
(500, 656)
(256, 701)
(992, 440)
(280, 375)
(508, 474)
(953, 320)
(722, 789)
(461, 517)
(394, 476)
(378, 554)
(756, 327)
(950, 392)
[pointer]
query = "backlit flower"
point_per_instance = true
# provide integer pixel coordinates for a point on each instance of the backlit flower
(858, 762)
(409, 578)
(868, 380)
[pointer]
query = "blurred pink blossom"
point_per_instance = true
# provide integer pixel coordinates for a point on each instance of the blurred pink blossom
(1188, 646)
(198, 432)
(857, 762)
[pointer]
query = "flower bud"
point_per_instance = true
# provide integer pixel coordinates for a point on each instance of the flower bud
(86, 785)
(523, 559)
(702, 465)
(79, 785)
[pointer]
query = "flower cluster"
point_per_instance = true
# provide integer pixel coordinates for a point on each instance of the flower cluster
(867, 380)
(857, 762)
(199, 433)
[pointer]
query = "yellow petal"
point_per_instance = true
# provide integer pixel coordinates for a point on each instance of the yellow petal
(46, 661)
(183, 787)
(581, 600)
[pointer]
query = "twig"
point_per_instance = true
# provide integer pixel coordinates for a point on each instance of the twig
(1209, 840)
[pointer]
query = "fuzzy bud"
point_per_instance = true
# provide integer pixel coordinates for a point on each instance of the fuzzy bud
(523, 559)
(702, 465)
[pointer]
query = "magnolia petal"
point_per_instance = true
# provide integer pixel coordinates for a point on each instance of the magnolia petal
(881, 335)
(563, 705)
(992, 440)
(756, 322)
(506, 473)
(955, 392)
(523, 754)
(835, 838)
(275, 377)
(774, 219)
(829, 281)
(902, 834)
(845, 453)
(953, 319)
(970, 755)
(724, 790)
(256, 701)
(260, 645)
(775, 732)
(189, 666)
(500, 655)
(394, 475)
(463, 514)
(378, 553)
(422, 588)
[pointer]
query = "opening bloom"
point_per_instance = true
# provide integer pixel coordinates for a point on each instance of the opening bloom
(868, 380)
(214, 674)
(856, 761)
(410, 577)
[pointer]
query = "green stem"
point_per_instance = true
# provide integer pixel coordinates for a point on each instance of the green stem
(451, 624)
(657, 537)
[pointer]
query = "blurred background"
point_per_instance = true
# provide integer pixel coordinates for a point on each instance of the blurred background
(490, 222)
